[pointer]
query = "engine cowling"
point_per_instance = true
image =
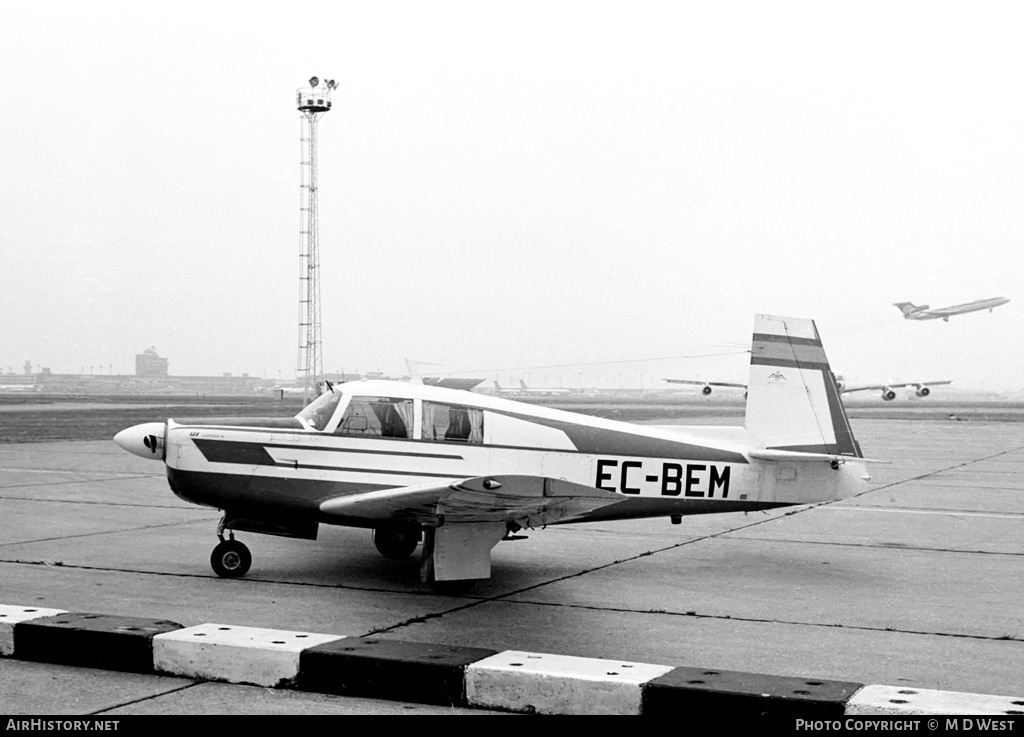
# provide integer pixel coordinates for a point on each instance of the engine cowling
(888, 394)
(706, 390)
(922, 391)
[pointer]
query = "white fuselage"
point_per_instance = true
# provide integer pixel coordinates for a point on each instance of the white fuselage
(660, 471)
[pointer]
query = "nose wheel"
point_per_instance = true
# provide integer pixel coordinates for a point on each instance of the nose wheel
(231, 559)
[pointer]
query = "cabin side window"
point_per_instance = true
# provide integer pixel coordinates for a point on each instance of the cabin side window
(377, 417)
(452, 423)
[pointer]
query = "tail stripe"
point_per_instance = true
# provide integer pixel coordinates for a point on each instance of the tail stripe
(787, 339)
(783, 350)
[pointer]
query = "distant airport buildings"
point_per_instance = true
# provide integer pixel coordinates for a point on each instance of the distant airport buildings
(152, 376)
(148, 365)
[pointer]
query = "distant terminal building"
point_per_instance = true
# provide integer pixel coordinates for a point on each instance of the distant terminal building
(149, 365)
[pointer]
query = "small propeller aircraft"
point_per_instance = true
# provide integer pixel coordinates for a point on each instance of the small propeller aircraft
(460, 471)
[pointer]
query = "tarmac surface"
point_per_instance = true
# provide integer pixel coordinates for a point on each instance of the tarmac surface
(917, 583)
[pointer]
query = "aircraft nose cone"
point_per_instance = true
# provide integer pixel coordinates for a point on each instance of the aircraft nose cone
(145, 440)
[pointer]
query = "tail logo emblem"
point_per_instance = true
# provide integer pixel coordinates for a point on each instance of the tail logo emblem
(776, 378)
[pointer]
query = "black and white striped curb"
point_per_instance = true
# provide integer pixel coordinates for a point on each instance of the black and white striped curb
(426, 673)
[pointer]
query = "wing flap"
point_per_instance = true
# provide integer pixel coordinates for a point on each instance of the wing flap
(530, 501)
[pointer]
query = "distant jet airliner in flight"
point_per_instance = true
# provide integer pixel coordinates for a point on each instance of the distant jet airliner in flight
(922, 312)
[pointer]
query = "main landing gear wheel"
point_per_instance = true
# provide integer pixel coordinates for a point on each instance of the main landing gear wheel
(231, 559)
(397, 543)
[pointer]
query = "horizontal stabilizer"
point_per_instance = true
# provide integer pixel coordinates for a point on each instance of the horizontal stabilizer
(793, 456)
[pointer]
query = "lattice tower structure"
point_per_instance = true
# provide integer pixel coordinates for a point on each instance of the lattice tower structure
(313, 102)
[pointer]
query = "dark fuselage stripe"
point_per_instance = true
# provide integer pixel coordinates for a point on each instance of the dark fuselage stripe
(616, 443)
(361, 451)
(212, 443)
(255, 454)
(590, 440)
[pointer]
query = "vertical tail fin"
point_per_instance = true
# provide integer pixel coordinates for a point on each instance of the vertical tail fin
(793, 401)
(909, 308)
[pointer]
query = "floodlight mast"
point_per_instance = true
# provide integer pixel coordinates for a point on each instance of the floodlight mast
(312, 103)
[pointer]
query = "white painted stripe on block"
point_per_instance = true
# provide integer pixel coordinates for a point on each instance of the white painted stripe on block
(904, 700)
(558, 684)
(221, 652)
(10, 615)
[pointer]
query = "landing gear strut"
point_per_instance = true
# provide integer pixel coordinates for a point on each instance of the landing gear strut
(456, 556)
(445, 588)
(230, 559)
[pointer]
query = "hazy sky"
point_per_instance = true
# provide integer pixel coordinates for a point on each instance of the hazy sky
(512, 185)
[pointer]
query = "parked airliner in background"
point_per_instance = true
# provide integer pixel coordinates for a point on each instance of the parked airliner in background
(541, 392)
(923, 312)
(462, 471)
(707, 387)
(525, 391)
(921, 388)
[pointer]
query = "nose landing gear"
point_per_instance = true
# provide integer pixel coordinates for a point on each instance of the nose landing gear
(231, 558)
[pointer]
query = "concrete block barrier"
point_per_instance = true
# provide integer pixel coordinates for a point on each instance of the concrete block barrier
(10, 616)
(390, 669)
(746, 694)
(91, 640)
(219, 652)
(542, 683)
(900, 700)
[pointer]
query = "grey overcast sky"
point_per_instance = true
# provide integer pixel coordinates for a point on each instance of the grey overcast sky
(507, 186)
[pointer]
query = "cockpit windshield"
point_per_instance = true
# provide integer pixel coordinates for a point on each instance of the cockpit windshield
(319, 412)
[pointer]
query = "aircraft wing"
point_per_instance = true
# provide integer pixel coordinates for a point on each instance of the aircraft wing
(530, 501)
(868, 387)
